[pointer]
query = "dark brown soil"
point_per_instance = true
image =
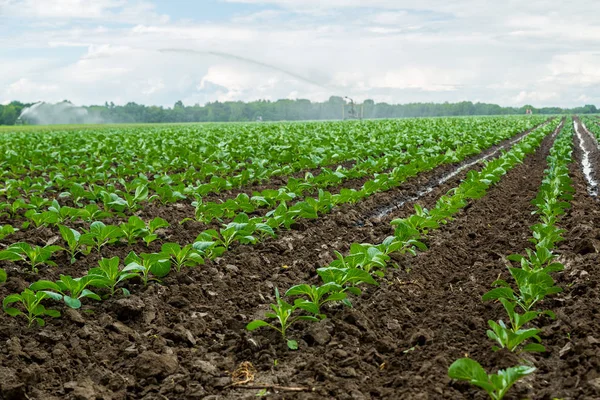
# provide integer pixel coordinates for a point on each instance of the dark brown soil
(183, 339)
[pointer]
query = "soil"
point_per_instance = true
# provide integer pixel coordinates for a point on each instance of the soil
(183, 339)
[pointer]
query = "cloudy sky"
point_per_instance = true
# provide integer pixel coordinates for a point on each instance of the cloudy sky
(161, 51)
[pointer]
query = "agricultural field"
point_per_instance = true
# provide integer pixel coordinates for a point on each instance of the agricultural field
(442, 258)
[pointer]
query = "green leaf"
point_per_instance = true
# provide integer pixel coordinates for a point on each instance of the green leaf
(298, 290)
(466, 369)
(13, 312)
(161, 268)
(499, 293)
(257, 323)
(44, 285)
(71, 302)
(53, 295)
(52, 313)
(292, 345)
(534, 347)
(8, 255)
(3, 275)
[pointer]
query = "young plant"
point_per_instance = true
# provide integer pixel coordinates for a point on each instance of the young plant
(496, 385)
(346, 278)
(533, 286)
(108, 275)
(207, 247)
(157, 265)
(132, 201)
(31, 302)
(282, 313)
(510, 340)
(135, 228)
(364, 256)
(41, 219)
(34, 255)
(92, 212)
(282, 216)
(316, 297)
(154, 225)
(241, 229)
(76, 242)
(6, 230)
(102, 234)
(182, 256)
(61, 214)
(67, 289)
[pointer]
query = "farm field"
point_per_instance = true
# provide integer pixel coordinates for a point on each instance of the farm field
(318, 260)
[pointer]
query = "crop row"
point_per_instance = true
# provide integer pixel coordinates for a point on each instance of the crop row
(241, 229)
(110, 185)
(591, 124)
(452, 148)
(365, 262)
(533, 280)
(213, 243)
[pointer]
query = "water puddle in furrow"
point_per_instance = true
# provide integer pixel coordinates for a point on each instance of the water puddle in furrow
(585, 162)
(386, 211)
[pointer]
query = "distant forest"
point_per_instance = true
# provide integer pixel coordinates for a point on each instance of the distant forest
(286, 110)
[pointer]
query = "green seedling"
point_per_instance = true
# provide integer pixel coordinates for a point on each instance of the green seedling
(34, 255)
(108, 275)
(92, 212)
(151, 267)
(134, 229)
(533, 286)
(31, 302)
(41, 219)
(67, 289)
(6, 230)
(62, 213)
(496, 385)
(283, 314)
(316, 297)
(154, 225)
(102, 234)
(182, 256)
(76, 242)
(510, 340)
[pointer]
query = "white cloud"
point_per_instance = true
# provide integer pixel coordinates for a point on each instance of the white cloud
(395, 51)
(533, 96)
(33, 90)
(108, 10)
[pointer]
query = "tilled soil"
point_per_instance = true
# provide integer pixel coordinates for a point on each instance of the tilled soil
(182, 340)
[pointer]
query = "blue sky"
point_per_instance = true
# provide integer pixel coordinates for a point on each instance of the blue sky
(510, 52)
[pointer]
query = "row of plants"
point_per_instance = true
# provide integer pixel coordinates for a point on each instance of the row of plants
(100, 283)
(198, 151)
(239, 153)
(591, 125)
(241, 228)
(532, 279)
(405, 165)
(84, 242)
(435, 144)
(340, 278)
(365, 262)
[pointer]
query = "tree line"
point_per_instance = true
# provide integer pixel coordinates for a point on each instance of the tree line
(286, 110)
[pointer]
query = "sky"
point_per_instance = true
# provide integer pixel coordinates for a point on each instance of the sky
(160, 51)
